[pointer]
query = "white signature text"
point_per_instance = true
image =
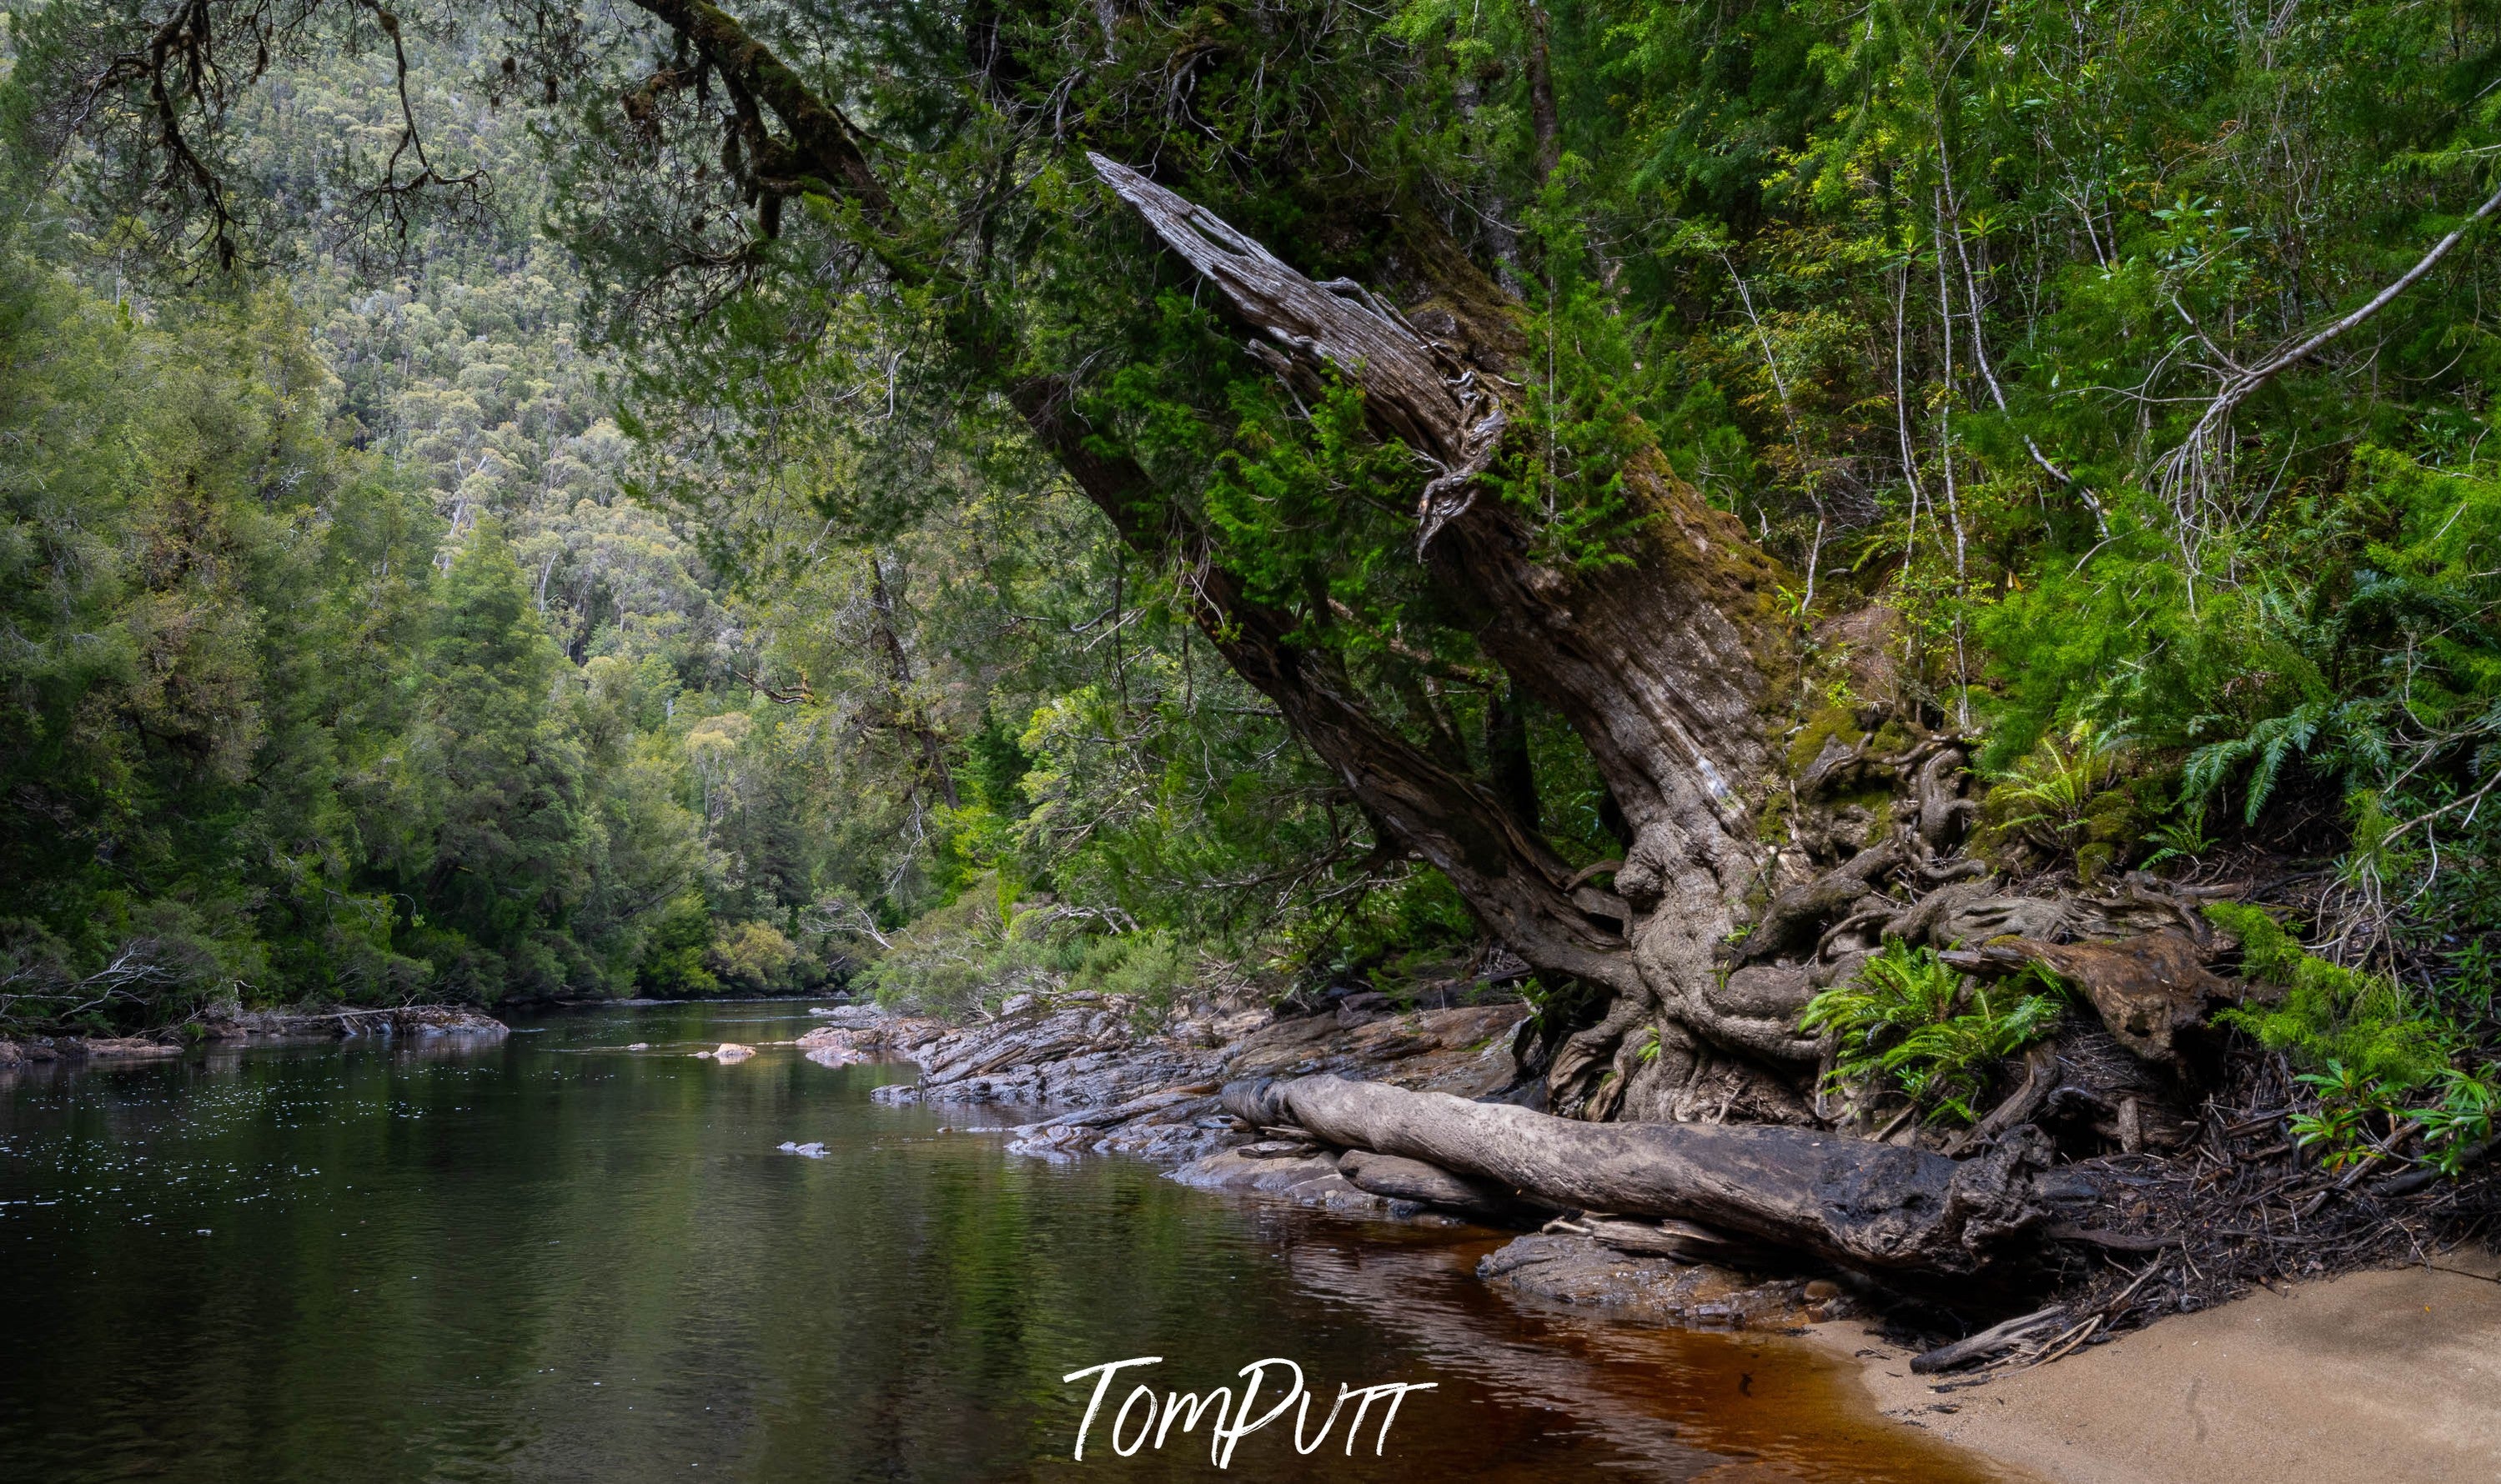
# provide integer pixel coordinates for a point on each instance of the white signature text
(1146, 1417)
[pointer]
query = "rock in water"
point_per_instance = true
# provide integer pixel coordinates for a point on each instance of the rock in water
(729, 1051)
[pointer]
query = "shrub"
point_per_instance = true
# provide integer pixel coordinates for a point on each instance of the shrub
(753, 956)
(2331, 1015)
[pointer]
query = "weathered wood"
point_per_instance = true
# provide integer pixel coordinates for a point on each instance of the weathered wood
(2151, 990)
(1686, 1241)
(1415, 388)
(1989, 1341)
(1406, 1179)
(2041, 1077)
(1859, 1204)
(1659, 662)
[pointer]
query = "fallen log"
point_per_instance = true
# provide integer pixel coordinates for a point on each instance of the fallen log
(1863, 1205)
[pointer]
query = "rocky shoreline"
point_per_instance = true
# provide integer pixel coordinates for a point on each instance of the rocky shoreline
(1101, 1077)
(258, 1027)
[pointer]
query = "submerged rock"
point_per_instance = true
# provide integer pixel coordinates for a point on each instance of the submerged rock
(1570, 1268)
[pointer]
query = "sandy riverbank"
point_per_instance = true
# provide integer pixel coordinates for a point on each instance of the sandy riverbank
(2390, 1378)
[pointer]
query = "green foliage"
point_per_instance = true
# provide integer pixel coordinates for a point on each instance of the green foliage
(1909, 1018)
(2185, 838)
(2056, 785)
(2348, 1100)
(673, 960)
(2331, 1015)
(754, 957)
(2461, 1122)
(1859, 273)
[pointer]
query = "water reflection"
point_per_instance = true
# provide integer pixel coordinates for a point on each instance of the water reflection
(558, 1259)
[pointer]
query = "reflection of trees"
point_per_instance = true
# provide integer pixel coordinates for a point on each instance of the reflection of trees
(424, 1257)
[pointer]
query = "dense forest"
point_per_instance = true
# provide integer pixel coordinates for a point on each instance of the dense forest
(533, 499)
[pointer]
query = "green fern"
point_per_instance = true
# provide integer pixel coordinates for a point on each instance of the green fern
(2269, 743)
(2057, 782)
(1909, 1018)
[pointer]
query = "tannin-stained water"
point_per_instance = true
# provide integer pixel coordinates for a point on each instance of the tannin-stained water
(556, 1258)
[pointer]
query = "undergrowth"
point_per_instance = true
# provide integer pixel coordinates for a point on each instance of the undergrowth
(2381, 1063)
(2329, 1014)
(1909, 1018)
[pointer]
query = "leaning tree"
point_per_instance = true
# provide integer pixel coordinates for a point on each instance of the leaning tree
(1395, 477)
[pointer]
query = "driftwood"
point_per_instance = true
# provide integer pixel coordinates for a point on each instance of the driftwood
(1684, 1240)
(2151, 990)
(1989, 1341)
(1858, 1203)
(2041, 1077)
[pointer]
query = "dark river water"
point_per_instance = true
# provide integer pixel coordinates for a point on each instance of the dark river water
(556, 1258)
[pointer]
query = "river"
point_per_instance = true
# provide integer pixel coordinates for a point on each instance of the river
(556, 1258)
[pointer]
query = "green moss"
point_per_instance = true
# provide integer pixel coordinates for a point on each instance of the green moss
(1772, 820)
(1824, 725)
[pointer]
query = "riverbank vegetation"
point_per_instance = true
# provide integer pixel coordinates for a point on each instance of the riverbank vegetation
(701, 498)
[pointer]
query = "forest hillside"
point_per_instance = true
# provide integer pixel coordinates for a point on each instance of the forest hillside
(578, 502)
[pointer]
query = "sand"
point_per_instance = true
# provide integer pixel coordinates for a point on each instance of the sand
(2391, 1378)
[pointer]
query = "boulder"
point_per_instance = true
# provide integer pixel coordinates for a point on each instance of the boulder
(1406, 1179)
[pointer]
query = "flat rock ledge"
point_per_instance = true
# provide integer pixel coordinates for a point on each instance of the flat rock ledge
(1104, 1080)
(1114, 1085)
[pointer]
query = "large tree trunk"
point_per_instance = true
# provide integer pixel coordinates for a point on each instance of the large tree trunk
(1661, 663)
(1866, 1206)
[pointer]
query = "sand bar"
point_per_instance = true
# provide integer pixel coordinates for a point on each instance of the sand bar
(2393, 1378)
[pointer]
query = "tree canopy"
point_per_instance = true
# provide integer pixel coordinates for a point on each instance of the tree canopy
(832, 501)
